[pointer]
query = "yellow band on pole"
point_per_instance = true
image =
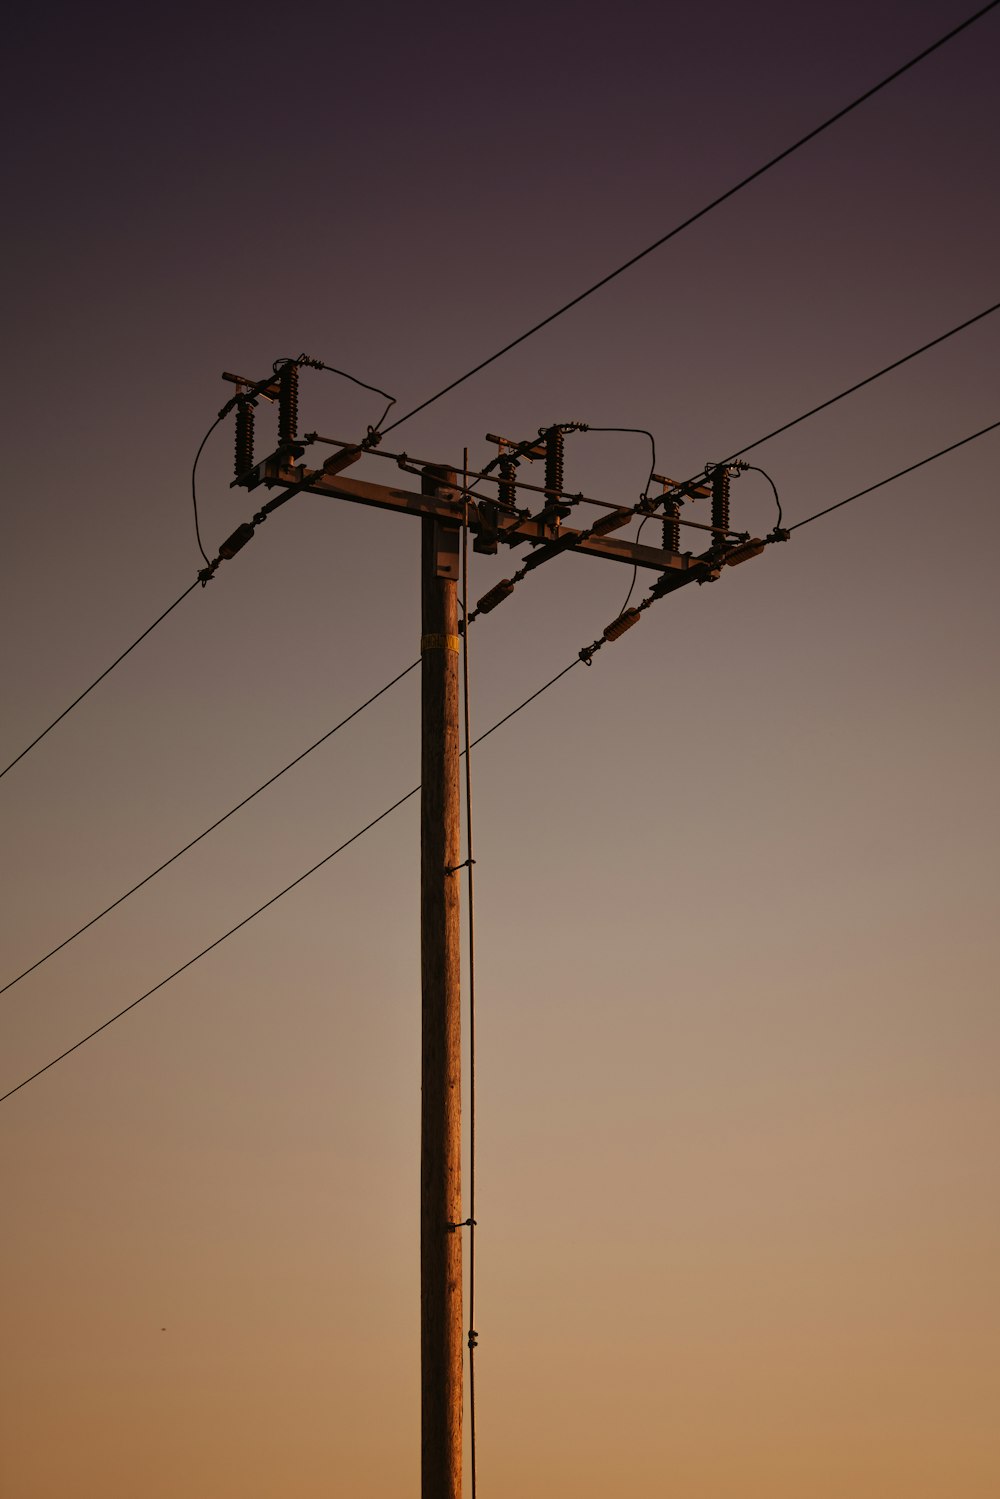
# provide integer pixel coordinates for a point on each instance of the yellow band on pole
(440, 643)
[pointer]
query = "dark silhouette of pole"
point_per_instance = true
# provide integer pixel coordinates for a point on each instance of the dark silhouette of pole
(440, 1136)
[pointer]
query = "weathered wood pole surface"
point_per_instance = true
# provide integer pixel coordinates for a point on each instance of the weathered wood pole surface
(440, 1135)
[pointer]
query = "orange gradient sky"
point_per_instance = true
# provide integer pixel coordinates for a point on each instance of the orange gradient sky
(738, 1031)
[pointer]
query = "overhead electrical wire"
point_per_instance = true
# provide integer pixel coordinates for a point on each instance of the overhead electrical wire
(211, 828)
(585, 656)
(869, 379)
(318, 865)
(786, 426)
(318, 364)
(194, 478)
(804, 416)
(107, 670)
(827, 510)
(716, 202)
(702, 212)
(210, 566)
(639, 432)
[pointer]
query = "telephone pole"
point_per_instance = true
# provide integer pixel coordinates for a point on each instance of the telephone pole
(441, 1062)
(443, 509)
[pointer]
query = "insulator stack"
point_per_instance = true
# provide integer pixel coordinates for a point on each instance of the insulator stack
(496, 595)
(244, 438)
(507, 486)
(624, 622)
(671, 524)
(237, 541)
(555, 442)
(288, 405)
(612, 520)
(744, 552)
(720, 500)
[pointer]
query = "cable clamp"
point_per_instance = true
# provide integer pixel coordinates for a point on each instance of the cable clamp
(454, 868)
(206, 574)
(779, 534)
(473, 1338)
(465, 1223)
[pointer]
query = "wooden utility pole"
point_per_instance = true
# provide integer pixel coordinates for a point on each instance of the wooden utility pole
(441, 1066)
(443, 509)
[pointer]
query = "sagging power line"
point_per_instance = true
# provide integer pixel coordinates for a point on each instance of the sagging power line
(448, 513)
(708, 208)
(503, 593)
(612, 632)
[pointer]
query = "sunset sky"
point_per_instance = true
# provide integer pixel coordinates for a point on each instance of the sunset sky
(736, 884)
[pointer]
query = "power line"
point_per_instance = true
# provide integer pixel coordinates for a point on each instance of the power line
(702, 212)
(227, 551)
(274, 898)
(205, 950)
(194, 471)
(211, 828)
(823, 406)
(108, 669)
(746, 448)
(897, 475)
(869, 379)
(612, 632)
(391, 400)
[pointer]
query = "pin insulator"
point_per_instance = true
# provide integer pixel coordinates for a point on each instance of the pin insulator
(507, 487)
(244, 437)
(554, 446)
(624, 622)
(237, 541)
(495, 596)
(720, 499)
(671, 525)
(613, 520)
(288, 405)
(744, 552)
